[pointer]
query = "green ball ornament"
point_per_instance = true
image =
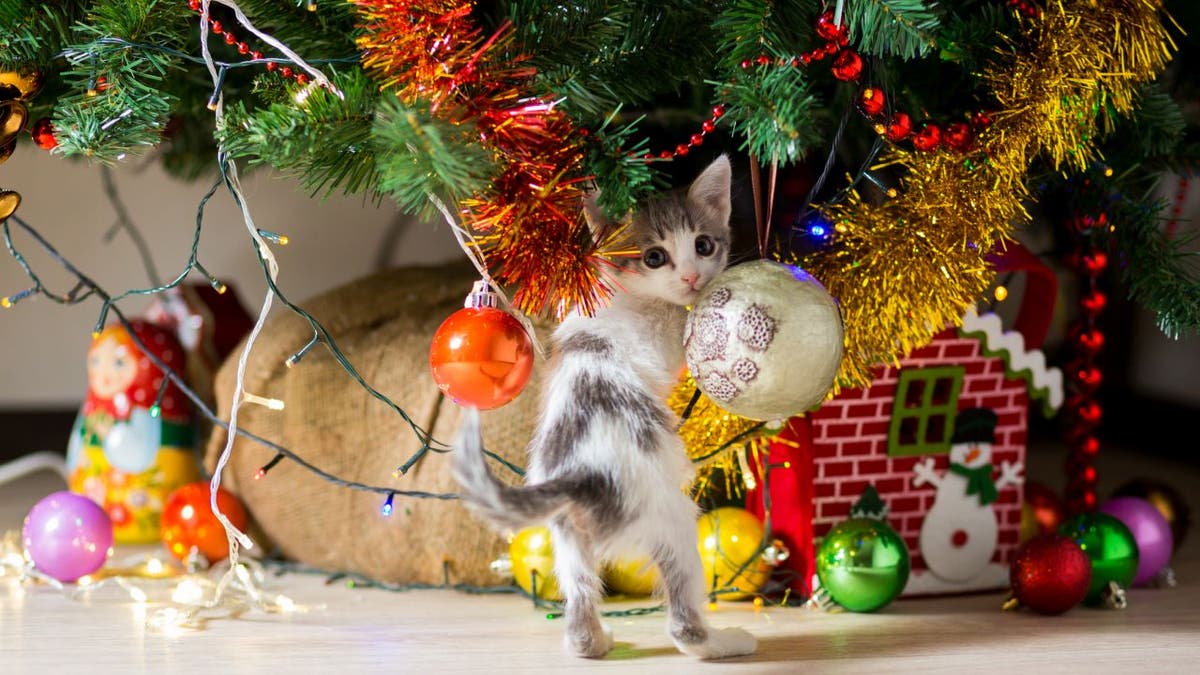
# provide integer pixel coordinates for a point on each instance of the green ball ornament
(863, 564)
(1111, 547)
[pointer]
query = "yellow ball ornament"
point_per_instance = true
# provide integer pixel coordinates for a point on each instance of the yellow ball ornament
(730, 538)
(632, 576)
(531, 552)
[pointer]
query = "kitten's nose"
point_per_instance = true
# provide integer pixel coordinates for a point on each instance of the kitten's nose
(691, 279)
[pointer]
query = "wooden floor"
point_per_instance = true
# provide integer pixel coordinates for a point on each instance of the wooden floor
(445, 632)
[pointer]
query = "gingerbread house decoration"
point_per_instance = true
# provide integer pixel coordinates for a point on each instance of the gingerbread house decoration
(941, 437)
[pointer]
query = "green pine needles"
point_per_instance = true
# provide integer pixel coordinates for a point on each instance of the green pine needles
(640, 76)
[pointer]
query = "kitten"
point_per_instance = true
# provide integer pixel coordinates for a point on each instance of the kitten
(606, 468)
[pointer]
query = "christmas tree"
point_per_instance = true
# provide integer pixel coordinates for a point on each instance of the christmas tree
(923, 136)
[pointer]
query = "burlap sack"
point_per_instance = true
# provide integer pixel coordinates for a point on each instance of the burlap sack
(384, 324)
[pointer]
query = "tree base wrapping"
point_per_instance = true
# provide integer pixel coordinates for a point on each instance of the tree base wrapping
(383, 323)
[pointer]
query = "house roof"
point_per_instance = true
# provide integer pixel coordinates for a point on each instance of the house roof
(1045, 384)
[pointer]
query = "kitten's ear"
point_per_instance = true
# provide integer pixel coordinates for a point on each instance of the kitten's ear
(711, 190)
(596, 220)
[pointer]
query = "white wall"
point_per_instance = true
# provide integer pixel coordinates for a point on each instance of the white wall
(42, 344)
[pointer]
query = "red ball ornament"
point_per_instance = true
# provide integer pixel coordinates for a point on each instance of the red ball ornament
(848, 66)
(959, 137)
(928, 138)
(1050, 574)
(481, 357)
(829, 31)
(43, 134)
(980, 120)
(188, 522)
(871, 101)
(899, 127)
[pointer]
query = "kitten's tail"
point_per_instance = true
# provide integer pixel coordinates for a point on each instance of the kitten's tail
(505, 506)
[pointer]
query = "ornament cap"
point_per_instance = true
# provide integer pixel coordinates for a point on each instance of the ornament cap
(481, 295)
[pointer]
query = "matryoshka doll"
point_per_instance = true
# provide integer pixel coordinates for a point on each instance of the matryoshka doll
(126, 453)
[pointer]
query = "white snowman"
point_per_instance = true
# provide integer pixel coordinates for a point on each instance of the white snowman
(959, 533)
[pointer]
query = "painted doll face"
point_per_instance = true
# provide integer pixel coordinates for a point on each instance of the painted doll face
(111, 368)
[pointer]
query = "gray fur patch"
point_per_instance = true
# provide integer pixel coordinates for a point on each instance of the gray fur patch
(597, 400)
(585, 343)
(689, 634)
(599, 496)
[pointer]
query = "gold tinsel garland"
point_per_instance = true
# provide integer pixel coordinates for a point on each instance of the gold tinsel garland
(713, 437)
(905, 269)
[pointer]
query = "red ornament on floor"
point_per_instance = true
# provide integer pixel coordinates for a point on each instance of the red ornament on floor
(481, 356)
(188, 522)
(1050, 574)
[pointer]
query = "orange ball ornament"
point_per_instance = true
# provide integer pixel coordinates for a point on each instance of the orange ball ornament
(188, 522)
(481, 356)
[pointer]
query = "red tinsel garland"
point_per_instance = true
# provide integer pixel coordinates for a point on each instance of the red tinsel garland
(530, 225)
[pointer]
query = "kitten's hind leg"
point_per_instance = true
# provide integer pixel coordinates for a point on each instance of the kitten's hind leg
(683, 578)
(575, 567)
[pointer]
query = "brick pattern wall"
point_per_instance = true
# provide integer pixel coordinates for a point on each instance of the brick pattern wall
(850, 445)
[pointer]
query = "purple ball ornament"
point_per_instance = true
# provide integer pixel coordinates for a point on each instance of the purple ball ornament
(1150, 530)
(67, 536)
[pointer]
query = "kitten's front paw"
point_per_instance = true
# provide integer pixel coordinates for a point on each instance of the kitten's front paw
(591, 644)
(722, 643)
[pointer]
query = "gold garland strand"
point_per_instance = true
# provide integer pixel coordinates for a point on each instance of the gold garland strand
(904, 269)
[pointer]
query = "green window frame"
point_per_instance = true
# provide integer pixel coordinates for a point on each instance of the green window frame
(924, 409)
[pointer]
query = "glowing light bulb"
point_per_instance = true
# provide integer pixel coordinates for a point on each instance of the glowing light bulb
(387, 505)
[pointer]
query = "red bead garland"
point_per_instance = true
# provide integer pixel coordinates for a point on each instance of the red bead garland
(1083, 412)
(243, 48)
(1181, 194)
(871, 101)
(848, 66)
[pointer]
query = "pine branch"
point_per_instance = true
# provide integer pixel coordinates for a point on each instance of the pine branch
(419, 155)
(599, 55)
(968, 37)
(622, 176)
(117, 103)
(903, 28)
(33, 33)
(771, 107)
(1157, 125)
(772, 110)
(749, 28)
(324, 141)
(1161, 275)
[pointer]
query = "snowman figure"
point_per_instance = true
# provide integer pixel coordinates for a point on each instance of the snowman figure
(958, 536)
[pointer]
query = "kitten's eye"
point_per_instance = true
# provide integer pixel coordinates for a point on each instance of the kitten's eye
(655, 257)
(705, 245)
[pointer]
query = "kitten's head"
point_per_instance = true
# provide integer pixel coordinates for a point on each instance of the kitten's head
(683, 237)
